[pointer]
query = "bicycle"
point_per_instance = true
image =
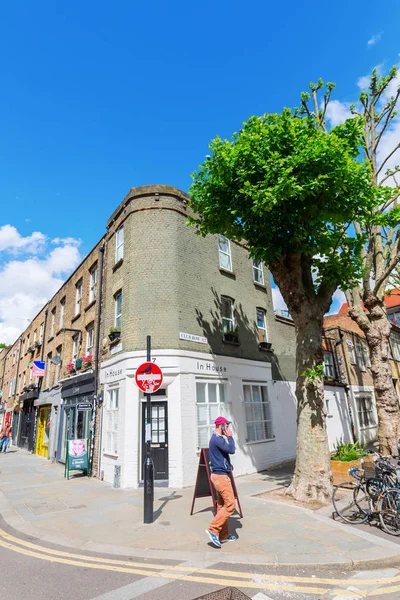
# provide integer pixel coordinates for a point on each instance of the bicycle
(370, 497)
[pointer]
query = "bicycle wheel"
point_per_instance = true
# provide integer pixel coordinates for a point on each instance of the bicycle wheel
(351, 502)
(389, 511)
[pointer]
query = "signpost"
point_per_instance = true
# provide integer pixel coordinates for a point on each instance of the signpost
(149, 379)
(77, 456)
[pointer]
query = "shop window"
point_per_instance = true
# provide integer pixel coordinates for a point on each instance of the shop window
(225, 259)
(257, 409)
(365, 410)
(111, 422)
(261, 325)
(210, 403)
(258, 273)
(119, 244)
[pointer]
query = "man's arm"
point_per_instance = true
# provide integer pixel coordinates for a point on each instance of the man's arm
(226, 444)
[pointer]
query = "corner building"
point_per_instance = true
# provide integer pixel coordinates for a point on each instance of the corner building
(208, 308)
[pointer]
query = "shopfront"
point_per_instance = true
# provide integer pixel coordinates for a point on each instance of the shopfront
(27, 418)
(77, 394)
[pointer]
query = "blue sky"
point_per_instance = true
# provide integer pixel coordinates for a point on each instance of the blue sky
(99, 97)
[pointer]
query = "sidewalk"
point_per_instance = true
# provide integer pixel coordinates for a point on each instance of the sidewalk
(90, 515)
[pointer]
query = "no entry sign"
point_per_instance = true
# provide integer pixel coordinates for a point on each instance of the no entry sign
(149, 377)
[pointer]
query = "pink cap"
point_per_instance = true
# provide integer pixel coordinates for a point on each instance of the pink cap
(221, 421)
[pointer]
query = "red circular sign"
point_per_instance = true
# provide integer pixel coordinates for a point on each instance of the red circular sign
(149, 377)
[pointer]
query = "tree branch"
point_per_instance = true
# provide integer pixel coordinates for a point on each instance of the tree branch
(387, 158)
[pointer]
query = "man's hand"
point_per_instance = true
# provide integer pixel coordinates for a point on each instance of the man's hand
(228, 431)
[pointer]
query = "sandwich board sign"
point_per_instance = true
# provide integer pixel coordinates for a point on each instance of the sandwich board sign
(77, 456)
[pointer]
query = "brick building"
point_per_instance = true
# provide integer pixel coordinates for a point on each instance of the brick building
(348, 366)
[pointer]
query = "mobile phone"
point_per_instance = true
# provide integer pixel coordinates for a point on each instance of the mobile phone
(223, 428)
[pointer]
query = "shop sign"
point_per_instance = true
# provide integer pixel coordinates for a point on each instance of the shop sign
(190, 337)
(77, 456)
(112, 374)
(210, 367)
(85, 406)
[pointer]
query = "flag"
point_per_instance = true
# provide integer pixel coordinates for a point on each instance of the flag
(38, 368)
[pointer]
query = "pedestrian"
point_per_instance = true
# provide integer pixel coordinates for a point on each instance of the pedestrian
(221, 446)
(5, 435)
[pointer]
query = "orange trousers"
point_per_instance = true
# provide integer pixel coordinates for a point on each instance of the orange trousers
(226, 505)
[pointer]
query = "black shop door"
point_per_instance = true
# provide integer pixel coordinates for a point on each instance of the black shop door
(159, 438)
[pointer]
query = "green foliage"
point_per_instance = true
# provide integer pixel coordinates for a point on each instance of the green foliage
(115, 329)
(286, 186)
(313, 374)
(348, 452)
(3, 346)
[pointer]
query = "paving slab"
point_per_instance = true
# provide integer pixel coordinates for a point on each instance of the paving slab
(87, 513)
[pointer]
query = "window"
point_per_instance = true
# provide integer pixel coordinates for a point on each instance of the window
(119, 244)
(48, 370)
(30, 376)
(118, 309)
(225, 260)
(13, 357)
(75, 345)
(41, 332)
(34, 336)
(352, 354)
(93, 284)
(53, 322)
(257, 413)
(78, 297)
(228, 322)
(394, 317)
(258, 273)
(13, 385)
(395, 343)
(210, 401)
(261, 325)
(58, 365)
(62, 313)
(329, 365)
(366, 355)
(111, 422)
(27, 343)
(90, 339)
(360, 356)
(365, 410)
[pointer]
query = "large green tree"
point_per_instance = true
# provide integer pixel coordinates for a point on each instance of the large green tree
(289, 190)
(381, 250)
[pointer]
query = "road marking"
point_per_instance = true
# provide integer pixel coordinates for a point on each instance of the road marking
(133, 590)
(167, 575)
(223, 573)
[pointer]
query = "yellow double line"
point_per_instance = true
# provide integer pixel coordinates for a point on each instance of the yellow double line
(211, 576)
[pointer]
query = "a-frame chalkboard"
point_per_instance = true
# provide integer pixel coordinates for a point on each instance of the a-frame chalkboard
(204, 486)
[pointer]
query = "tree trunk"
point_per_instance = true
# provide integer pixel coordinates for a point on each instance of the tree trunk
(313, 474)
(376, 327)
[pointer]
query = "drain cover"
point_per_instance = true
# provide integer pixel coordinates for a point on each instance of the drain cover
(228, 593)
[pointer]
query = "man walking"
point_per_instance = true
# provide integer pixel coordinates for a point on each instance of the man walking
(5, 435)
(221, 446)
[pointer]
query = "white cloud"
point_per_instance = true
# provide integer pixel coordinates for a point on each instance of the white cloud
(338, 299)
(337, 112)
(279, 303)
(27, 284)
(374, 39)
(363, 82)
(12, 241)
(68, 240)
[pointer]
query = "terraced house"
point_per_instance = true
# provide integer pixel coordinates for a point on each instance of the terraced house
(209, 311)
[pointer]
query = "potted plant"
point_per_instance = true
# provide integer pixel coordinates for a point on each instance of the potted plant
(265, 345)
(231, 336)
(115, 334)
(348, 456)
(70, 367)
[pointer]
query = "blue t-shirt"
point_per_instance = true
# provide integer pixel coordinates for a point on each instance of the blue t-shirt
(220, 448)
